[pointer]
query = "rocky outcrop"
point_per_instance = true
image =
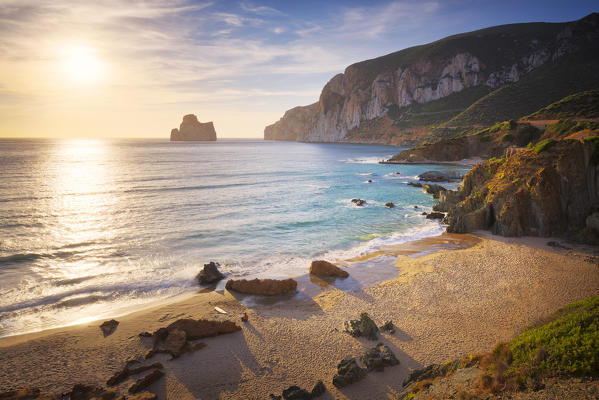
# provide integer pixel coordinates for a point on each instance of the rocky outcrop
(108, 327)
(348, 372)
(363, 327)
(210, 274)
(325, 268)
(193, 130)
(126, 372)
(542, 191)
(440, 176)
(379, 357)
(368, 90)
(146, 381)
(263, 287)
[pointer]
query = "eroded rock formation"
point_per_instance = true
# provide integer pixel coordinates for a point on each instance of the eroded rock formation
(193, 130)
(550, 191)
(264, 287)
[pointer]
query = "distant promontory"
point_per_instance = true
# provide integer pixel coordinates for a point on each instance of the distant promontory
(193, 130)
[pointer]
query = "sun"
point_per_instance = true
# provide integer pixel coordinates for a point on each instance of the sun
(82, 65)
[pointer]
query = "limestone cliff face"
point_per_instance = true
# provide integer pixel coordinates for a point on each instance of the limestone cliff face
(193, 130)
(366, 90)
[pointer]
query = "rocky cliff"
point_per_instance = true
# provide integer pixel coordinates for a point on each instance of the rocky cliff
(550, 189)
(365, 94)
(193, 130)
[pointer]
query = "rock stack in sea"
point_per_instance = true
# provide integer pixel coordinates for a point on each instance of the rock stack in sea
(193, 130)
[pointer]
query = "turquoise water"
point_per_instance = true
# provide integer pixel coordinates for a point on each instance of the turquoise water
(91, 228)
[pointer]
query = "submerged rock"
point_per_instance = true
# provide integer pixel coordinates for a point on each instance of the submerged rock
(415, 184)
(210, 274)
(363, 327)
(325, 268)
(264, 287)
(358, 202)
(389, 205)
(108, 327)
(379, 357)
(348, 372)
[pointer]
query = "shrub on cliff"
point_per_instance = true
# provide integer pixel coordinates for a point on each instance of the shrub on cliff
(543, 145)
(566, 345)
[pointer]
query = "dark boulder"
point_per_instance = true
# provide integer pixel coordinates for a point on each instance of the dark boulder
(435, 215)
(362, 327)
(415, 184)
(358, 202)
(318, 389)
(348, 372)
(379, 357)
(296, 393)
(389, 205)
(108, 327)
(387, 327)
(210, 274)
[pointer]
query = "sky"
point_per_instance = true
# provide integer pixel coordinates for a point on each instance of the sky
(119, 69)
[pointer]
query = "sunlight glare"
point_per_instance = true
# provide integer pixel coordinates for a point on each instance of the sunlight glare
(82, 64)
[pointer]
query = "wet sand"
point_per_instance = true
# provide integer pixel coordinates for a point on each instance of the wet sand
(447, 296)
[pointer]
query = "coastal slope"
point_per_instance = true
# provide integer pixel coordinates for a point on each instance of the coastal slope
(403, 97)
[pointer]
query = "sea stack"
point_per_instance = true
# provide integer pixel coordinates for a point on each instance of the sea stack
(193, 130)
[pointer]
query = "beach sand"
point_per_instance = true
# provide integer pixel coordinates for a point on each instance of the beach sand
(452, 295)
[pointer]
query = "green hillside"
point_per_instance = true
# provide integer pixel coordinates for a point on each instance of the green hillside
(580, 105)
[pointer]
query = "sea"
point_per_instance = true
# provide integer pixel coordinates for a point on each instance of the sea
(91, 229)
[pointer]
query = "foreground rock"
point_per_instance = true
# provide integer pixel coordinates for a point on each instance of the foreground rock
(297, 393)
(379, 357)
(146, 381)
(79, 392)
(108, 327)
(174, 339)
(348, 372)
(126, 372)
(210, 274)
(364, 327)
(547, 192)
(435, 215)
(325, 268)
(263, 287)
(193, 130)
(440, 176)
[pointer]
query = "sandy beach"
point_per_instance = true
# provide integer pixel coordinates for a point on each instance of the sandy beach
(448, 296)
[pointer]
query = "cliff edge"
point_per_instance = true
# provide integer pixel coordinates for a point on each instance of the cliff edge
(193, 130)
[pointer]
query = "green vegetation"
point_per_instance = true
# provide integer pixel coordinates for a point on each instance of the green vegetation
(544, 145)
(566, 126)
(566, 345)
(528, 134)
(436, 111)
(579, 105)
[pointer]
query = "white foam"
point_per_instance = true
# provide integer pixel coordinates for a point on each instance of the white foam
(366, 160)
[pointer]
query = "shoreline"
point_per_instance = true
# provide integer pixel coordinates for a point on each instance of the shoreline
(444, 304)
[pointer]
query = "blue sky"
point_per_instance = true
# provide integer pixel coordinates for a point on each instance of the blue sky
(239, 63)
